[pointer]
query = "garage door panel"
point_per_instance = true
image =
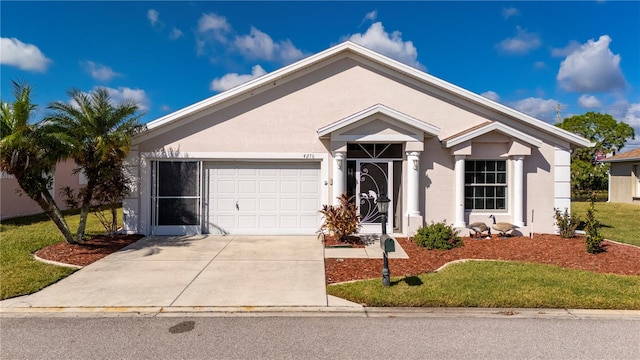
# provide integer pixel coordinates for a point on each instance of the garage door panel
(248, 221)
(309, 205)
(247, 172)
(268, 187)
(308, 173)
(289, 222)
(226, 187)
(268, 222)
(247, 187)
(247, 204)
(309, 222)
(309, 187)
(228, 204)
(225, 222)
(267, 170)
(289, 205)
(289, 187)
(271, 198)
(269, 205)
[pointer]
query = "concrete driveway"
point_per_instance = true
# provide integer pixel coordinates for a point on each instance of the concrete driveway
(197, 271)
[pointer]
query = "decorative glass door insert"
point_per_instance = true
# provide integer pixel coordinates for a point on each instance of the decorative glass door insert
(374, 180)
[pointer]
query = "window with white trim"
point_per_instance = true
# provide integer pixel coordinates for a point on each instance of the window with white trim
(485, 185)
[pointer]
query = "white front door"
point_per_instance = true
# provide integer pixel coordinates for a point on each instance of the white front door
(375, 178)
(262, 198)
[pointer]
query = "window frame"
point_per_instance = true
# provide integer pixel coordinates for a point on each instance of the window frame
(495, 185)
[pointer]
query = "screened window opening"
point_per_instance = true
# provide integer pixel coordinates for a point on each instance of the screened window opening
(485, 185)
(176, 196)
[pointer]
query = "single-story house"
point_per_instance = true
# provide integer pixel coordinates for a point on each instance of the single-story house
(624, 177)
(14, 203)
(263, 157)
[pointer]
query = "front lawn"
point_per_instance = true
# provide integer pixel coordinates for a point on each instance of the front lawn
(499, 284)
(619, 221)
(21, 274)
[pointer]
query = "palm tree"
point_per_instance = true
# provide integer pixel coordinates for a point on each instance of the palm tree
(99, 133)
(30, 153)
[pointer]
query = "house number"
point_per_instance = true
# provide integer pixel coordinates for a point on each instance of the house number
(309, 156)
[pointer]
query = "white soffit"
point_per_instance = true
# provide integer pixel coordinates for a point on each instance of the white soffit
(186, 114)
(493, 126)
(379, 109)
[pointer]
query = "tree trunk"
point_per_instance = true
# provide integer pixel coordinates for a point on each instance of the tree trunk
(84, 211)
(114, 219)
(48, 204)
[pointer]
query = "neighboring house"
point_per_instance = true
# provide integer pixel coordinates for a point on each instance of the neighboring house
(624, 177)
(263, 157)
(14, 203)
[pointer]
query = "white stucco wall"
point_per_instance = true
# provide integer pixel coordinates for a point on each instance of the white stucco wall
(283, 117)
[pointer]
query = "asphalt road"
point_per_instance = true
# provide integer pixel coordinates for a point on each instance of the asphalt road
(316, 338)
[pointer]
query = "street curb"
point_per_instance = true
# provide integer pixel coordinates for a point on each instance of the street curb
(319, 311)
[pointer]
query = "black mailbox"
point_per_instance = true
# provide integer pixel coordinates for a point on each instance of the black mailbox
(387, 244)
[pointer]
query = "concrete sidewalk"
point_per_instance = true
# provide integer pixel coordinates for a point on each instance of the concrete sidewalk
(196, 271)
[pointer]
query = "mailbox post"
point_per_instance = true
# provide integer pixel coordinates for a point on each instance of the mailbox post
(383, 207)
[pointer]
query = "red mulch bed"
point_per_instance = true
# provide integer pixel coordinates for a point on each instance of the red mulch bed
(93, 250)
(543, 248)
(350, 241)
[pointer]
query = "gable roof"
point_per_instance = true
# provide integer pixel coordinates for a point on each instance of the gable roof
(486, 127)
(384, 110)
(347, 48)
(632, 155)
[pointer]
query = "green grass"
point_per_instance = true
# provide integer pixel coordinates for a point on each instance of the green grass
(499, 284)
(619, 221)
(20, 273)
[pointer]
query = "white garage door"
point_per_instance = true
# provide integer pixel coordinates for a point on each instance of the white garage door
(262, 198)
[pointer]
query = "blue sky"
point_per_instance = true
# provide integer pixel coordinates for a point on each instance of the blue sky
(532, 56)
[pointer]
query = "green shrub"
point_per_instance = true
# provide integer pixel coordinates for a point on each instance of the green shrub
(341, 220)
(593, 239)
(437, 236)
(567, 224)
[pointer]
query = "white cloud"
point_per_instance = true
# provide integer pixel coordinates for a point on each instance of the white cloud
(540, 108)
(628, 113)
(99, 71)
(391, 45)
(591, 68)
(139, 96)
(631, 115)
(258, 45)
(214, 25)
(234, 79)
(152, 15)
(509, 12)
(491, 95)
(27, 57)
(522, 43)
(175, 33)
(567, 50)
(371, 16)
(165, 108)
(589, 102)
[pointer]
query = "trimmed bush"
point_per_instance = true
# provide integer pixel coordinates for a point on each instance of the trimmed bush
(437, 236)
(593, 239)
(567, 224)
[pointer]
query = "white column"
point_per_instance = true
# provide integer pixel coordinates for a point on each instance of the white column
(518, 190)
(339, 179)
(459, 170)
(413, 183)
